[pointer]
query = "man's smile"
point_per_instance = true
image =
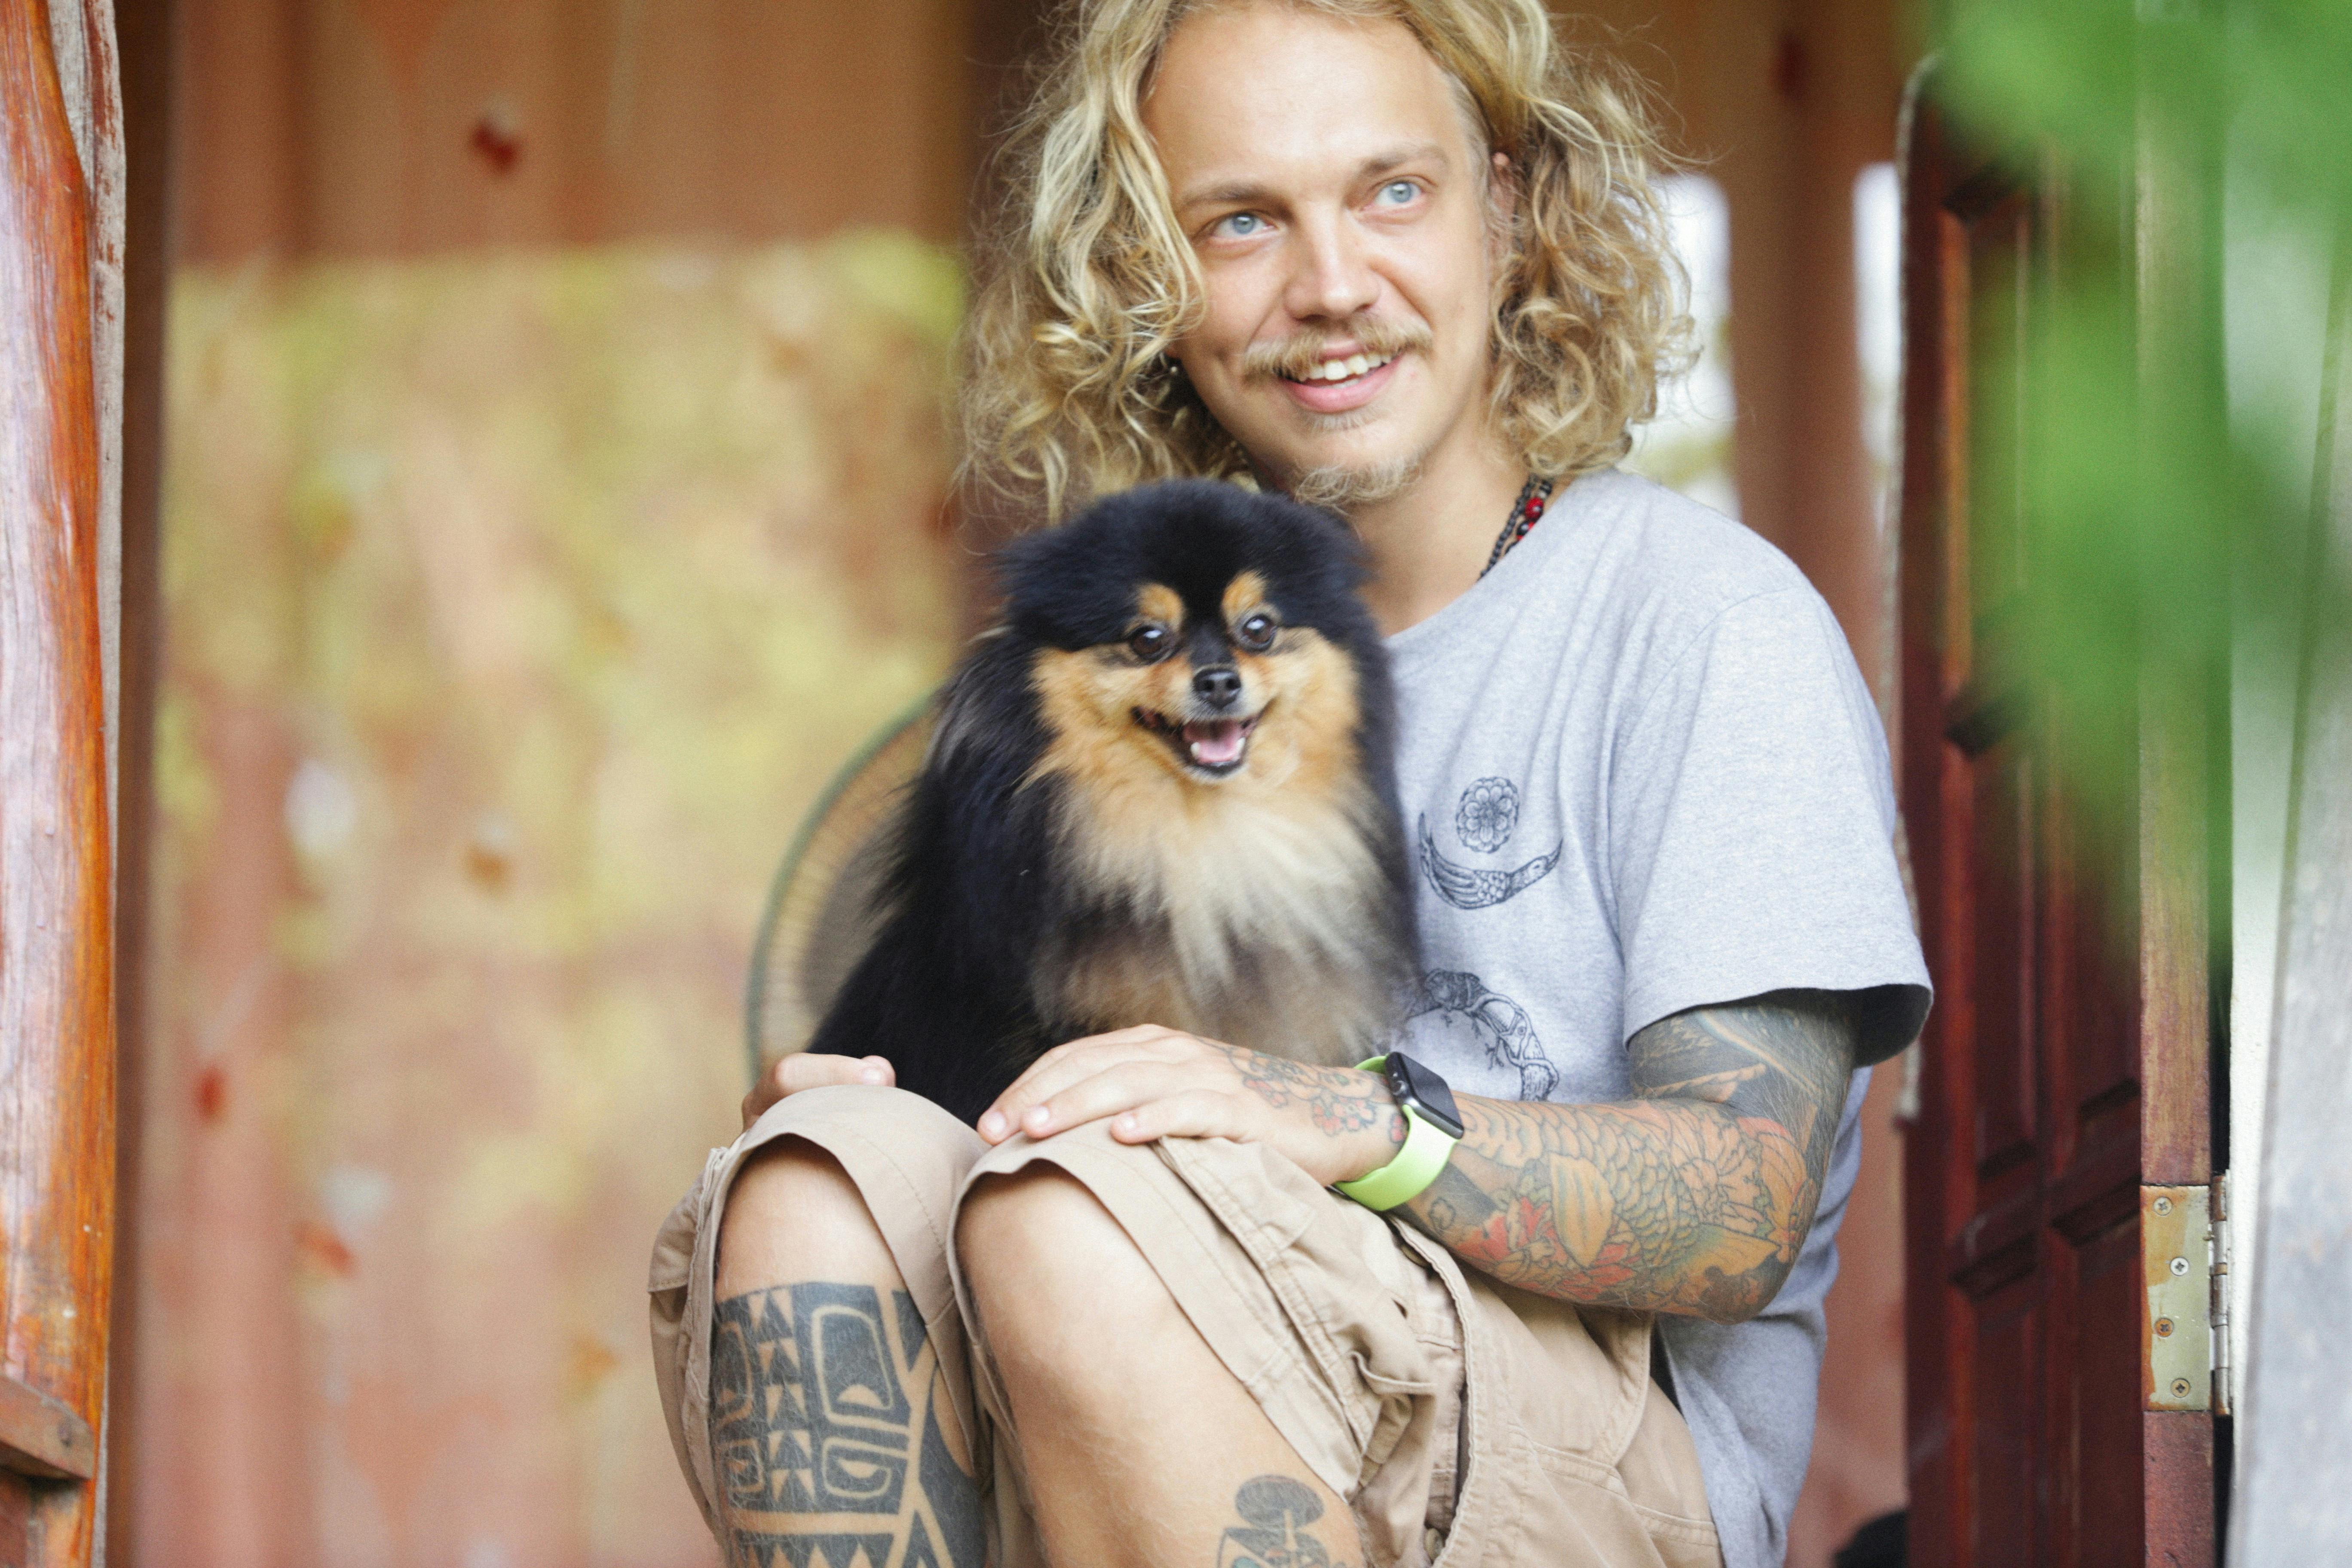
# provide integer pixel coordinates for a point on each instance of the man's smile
(1345, 367)
(1343, 384)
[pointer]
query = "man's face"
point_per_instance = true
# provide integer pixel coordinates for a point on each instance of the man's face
(1331, 188)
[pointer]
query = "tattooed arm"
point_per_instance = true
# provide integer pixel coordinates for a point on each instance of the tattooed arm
(1693, 1197)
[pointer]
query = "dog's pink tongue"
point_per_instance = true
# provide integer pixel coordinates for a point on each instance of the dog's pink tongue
(1215, 742)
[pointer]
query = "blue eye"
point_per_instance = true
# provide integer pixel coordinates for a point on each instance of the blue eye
(1400, 191)
(1240, 225)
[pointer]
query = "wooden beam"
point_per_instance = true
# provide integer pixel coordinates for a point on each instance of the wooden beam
(2176, 261)
(56, 978)
(144, 31)
(42, 1437)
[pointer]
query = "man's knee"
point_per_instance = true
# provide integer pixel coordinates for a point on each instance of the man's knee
(1056, 1279)
(1030, 1231)
(792, 1212)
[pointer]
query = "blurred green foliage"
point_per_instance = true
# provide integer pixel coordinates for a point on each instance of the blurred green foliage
(2078, 72)
(2203, 149)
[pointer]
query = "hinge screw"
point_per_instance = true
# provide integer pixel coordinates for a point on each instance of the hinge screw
(2163, 1327)
(2179, 1388)
(2180, 1265)
(2164, 1205)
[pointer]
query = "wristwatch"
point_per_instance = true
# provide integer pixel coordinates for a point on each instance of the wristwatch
(1433, 1126)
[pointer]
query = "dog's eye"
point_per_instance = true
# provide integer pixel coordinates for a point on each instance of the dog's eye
(1149, 643)
(1256, 631)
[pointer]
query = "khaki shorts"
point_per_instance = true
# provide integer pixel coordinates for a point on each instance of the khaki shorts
(1465, 1422)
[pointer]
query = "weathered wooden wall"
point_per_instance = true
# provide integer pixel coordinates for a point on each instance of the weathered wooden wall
(345, 128)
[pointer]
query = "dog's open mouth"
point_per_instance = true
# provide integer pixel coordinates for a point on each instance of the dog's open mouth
(1215, 746)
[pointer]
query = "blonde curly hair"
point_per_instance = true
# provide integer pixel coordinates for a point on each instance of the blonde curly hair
(1069, 388)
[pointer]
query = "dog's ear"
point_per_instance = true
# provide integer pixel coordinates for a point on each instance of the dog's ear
(1014, 567)
(1023, 561)
(1319, 565)
(1069, 586)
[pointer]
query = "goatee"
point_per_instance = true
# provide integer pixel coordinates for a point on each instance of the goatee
(1342, 490)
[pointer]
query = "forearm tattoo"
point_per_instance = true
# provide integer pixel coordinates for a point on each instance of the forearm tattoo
(1694, 1198)
(1338, 1101)
(1275, 1512)
(825, 1404)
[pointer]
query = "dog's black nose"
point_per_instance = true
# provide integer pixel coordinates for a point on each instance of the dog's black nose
(1217, 686)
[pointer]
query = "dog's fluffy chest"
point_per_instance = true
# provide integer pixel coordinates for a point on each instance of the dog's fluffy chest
(1255, 920)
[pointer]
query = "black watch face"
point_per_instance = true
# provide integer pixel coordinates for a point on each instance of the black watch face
(1423, 1089)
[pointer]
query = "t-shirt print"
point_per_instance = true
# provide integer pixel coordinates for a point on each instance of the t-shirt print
(1483, 821)
(1452, 1011)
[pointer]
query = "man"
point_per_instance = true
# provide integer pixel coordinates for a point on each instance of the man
(1402, 256)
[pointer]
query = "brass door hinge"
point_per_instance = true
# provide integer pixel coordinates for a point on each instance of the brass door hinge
(2225, 1382)
(2184, 1337)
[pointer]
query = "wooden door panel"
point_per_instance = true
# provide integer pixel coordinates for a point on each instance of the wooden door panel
(2002, 973)
(1988, 233)
(2105, 1430)
(2006, 1342)
(1996, 219)
(2026, 1294)
(2086, 998)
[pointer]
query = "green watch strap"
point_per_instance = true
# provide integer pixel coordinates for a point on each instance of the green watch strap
(1426, 1149)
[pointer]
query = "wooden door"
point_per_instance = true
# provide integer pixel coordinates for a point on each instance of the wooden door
(56, 1035)
(2063, 1087)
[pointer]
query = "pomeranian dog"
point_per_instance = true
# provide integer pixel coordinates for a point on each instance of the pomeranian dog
(1159, 790)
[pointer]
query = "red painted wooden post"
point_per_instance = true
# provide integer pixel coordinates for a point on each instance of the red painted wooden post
(56, 1035)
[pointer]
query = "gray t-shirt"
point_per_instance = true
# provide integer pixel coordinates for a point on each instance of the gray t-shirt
(1640, 772)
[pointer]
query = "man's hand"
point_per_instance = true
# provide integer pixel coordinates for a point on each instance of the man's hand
(1336, 1123)
(807, 1070)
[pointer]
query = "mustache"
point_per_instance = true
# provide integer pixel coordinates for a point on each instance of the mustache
(1302, 353)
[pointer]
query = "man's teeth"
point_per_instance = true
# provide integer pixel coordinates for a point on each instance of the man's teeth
(1342, 369)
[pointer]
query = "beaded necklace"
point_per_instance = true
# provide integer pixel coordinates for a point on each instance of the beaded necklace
(1533, 498)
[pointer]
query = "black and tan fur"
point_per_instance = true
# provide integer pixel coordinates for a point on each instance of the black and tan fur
(1074, 859)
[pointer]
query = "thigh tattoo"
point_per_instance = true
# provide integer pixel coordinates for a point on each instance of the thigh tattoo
(1275, 1512)
(825, 1403)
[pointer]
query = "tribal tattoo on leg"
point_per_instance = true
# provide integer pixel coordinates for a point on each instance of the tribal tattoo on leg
(1275, 1512)
(1695, 1196)
(826, 1409)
